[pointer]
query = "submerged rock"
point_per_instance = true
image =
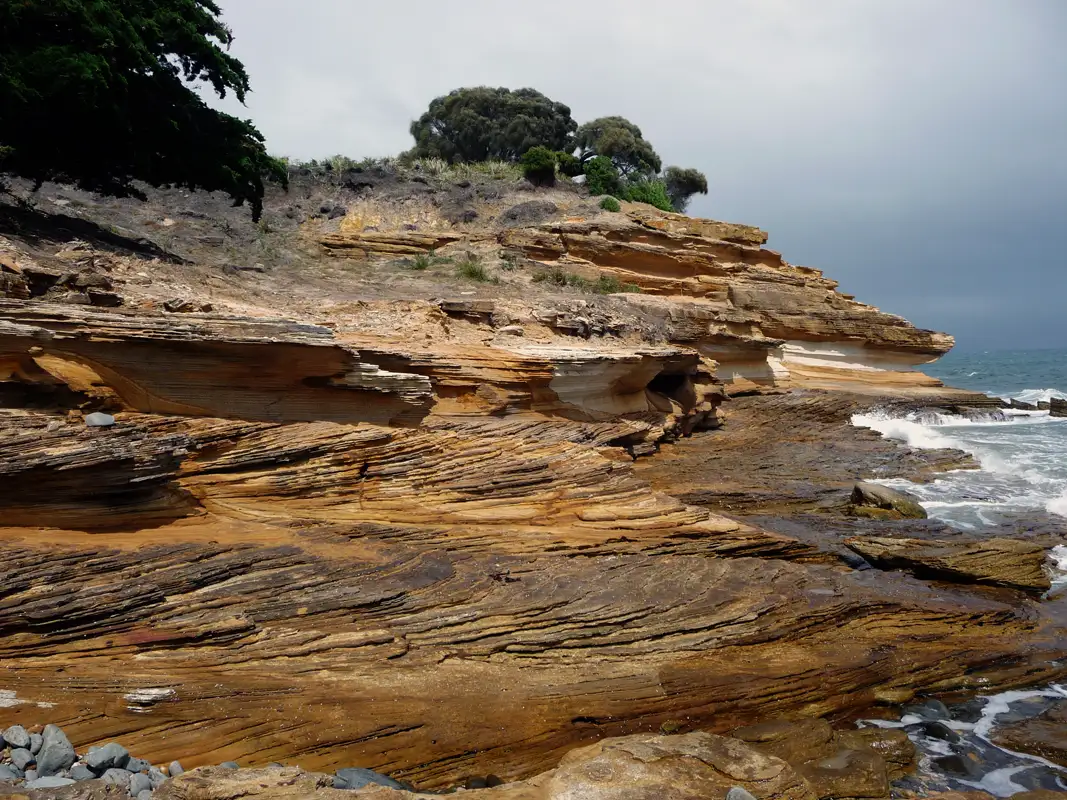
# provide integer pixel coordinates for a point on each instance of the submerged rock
(1044, 735)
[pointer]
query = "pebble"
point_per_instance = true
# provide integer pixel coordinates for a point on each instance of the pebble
(30, 775)
(7, 773)
(739, 793)
(80, 772)
(117, 777)
(357, 778)
(57, 753)
(22, 758)
(101, 759)
(174, 769)
(137, 765)
(230, 765)
(16, 736)
(48, 782)
(140, 783)
(98, 419)
(36, 740)
(156, 777)
(144, 795)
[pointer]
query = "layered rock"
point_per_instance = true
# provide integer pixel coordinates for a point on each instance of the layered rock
(996, 561)
(435, 555)
(766, 321)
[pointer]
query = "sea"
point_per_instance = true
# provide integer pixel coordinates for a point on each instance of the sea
(1023, 454)
(1023, 458)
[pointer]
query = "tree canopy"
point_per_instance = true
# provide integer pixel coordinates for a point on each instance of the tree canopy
(98, 93)
(483, 124)
(621, 141)
(682, 184)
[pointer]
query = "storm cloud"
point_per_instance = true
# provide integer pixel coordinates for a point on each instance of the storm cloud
(915, 150)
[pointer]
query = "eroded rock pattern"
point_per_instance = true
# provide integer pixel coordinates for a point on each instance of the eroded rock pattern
(438, 558)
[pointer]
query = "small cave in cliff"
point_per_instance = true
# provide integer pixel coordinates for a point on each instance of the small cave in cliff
(675, 386)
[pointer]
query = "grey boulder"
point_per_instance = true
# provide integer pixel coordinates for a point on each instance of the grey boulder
(98, 419)
(156, 777)
(48, 782)
(80, 772)
(873, 495)
(36, 740)
(8, 774)
(101, 759)
(57, 753)
(144, 795)
(357, 778)
(174, 769)
(22, 758)
(230, 765)
(739, 793)
(30, 775)
(140, 783)
(16, 736)
(117, 777)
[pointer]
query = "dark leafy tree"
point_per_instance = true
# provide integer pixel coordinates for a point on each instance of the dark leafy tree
(682, 184)
(539, 166)
(97, 93)
(621, 141)
(483, 123)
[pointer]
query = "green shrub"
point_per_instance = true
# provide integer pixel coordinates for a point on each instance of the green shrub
(473, 269)
(539, 166)
(568, 164)
(421, 262)
(605, 284)
(653, 192)
(601, 176)
(610, 204)
(609, 284)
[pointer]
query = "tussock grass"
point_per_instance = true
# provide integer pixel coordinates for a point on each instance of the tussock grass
(605, 284)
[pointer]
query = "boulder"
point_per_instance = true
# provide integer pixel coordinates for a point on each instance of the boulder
(101, 759)
(357, 778)
(16, 736)
(1044, 735)
(872, 495)
(999, 562)
(1057, 407)
(689, 766)
(57, 753)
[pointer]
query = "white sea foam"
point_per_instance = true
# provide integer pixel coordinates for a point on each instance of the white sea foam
(1022, 454)
(1037, 395)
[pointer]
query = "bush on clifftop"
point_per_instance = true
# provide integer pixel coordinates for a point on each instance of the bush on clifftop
(96, 93)
(539, 166)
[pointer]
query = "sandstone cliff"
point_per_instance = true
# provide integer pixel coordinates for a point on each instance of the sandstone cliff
(364, 510)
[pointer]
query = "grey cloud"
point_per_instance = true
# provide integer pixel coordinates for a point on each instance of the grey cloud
(915, 150)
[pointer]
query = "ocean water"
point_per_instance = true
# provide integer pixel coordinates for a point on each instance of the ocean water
(1023, 457)
(1023, 454)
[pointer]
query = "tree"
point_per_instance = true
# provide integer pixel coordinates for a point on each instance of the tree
(682, 184)
(482, 123)
(96, 93)
(621, 141)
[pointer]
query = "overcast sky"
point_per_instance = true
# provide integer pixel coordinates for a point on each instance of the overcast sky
(915, 150)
